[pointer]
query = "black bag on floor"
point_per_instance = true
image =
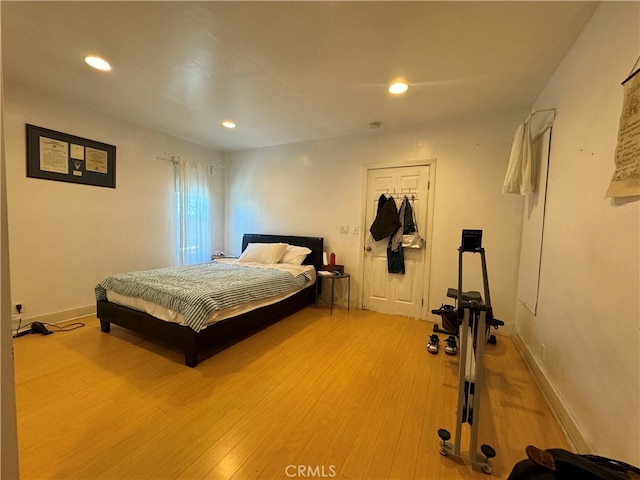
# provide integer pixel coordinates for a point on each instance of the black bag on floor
(559, 464)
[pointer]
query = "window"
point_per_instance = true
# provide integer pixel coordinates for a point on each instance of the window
(193, 212)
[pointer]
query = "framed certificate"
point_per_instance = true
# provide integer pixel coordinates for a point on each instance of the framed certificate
(58, 156)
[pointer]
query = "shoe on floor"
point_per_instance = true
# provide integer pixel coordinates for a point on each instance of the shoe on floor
(434, 344)
(451, 348)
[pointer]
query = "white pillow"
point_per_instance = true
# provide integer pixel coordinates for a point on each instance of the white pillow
(295, 255)
(263, 252)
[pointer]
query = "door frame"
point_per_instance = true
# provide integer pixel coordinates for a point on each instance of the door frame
(428, 235)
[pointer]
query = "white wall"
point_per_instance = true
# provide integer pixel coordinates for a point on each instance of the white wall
(312, 188)
(64, 238)
(589, 305)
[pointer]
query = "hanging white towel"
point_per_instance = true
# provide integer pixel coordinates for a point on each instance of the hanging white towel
(518, 177)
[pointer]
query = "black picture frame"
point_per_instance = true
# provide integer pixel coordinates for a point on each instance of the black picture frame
(59, 156)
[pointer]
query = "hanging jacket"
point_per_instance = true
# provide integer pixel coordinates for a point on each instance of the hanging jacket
(396, 240)
(395, 252)
(408, 226)
(386, 222)
(381, 201)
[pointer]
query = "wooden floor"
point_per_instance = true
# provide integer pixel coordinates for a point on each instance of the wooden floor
(349, 396)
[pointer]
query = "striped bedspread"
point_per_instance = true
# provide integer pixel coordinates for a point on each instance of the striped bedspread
(195, 291)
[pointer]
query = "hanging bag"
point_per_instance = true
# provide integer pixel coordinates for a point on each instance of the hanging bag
(412, 240)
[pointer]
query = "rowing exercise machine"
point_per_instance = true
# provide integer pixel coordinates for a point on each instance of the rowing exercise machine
(474, 317)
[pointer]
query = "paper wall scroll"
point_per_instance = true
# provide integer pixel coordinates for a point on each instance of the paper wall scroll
(626, 177)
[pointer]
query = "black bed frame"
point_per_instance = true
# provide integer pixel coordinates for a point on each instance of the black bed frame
(192, 342)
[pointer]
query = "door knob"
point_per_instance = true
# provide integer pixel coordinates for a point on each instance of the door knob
(367, 248)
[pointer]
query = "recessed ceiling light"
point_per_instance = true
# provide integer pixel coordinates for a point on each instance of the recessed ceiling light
(228, 124)
(97, 63)
(398, 87)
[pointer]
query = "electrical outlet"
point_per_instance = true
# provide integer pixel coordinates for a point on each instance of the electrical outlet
(344, 229)
(18, 307)
(356, 230)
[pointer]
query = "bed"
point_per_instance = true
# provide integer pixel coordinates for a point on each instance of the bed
(237, 322)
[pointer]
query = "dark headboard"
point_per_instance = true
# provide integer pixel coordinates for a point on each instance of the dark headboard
(316, 244)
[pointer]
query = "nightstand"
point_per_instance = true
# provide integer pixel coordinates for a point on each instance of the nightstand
(333, 276)
(220, 257)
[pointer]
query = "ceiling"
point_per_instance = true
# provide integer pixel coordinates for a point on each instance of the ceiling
(288, 72)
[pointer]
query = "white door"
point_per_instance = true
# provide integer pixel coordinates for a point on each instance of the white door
(395, 293)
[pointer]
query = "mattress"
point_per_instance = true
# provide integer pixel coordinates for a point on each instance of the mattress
(211, 302)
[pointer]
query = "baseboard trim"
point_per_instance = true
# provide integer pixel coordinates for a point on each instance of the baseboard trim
(62, 316)
(558, 407)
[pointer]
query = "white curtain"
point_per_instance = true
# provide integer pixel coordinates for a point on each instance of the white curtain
(518, 177)
(193, 212)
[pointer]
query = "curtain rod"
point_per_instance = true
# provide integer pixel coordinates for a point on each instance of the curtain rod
(169, 158)
(538, 110)
(176, 158)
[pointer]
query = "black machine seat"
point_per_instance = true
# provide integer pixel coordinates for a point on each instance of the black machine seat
(471, 296)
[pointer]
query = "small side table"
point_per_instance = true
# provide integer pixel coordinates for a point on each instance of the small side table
(333, 277)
